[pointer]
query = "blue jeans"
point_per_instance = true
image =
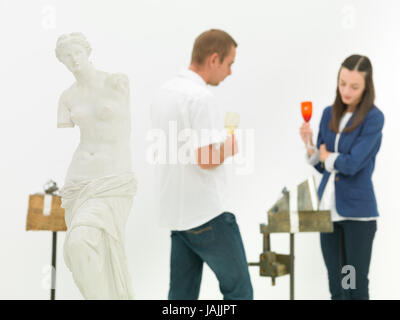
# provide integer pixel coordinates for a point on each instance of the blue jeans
(349, 244)
(217, 243)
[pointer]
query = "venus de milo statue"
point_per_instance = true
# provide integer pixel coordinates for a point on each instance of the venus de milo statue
(100, 185)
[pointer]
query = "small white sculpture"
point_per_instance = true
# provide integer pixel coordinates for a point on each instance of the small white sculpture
(100, 185)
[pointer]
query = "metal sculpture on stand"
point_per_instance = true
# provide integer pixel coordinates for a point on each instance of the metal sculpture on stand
(296, 211)
(45, 213)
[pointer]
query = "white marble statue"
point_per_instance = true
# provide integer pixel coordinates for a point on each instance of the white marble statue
(100, 185)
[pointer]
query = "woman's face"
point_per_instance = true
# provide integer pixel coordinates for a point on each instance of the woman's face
(74, 57)
(351, 86)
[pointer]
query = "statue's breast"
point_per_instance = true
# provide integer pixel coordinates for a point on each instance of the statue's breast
(107, 110)
(80, 113)
(100, 106)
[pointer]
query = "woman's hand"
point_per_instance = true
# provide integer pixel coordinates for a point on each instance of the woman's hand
(323, 153)
(306, 133)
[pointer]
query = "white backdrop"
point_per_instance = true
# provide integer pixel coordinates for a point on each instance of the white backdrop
(288, 51)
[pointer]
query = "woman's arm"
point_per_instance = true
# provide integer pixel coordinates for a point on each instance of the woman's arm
(319, 166)
(362, 150)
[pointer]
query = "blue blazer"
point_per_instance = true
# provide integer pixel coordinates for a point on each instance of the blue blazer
(354, 192)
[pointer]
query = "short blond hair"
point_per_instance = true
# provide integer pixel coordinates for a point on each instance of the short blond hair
(212, 41)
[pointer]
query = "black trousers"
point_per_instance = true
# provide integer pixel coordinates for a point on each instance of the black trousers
(347, 253)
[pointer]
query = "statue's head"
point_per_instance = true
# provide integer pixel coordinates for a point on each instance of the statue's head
(73, 50)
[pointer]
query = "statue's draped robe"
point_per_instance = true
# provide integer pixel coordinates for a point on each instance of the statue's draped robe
(96, 212)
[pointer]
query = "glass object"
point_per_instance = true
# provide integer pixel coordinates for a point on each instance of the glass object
(231, 122)
(306, 112)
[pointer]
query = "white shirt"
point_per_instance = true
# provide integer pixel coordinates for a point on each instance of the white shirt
(188, 195)
(328, 201)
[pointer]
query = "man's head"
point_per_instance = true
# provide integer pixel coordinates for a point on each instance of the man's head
(213, 54)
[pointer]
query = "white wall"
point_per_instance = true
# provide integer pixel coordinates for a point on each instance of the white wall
(288, 51)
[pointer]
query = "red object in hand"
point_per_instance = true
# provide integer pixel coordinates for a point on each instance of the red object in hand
(306, 110)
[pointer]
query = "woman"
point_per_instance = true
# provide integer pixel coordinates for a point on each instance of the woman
(100, 186)
(349, 139)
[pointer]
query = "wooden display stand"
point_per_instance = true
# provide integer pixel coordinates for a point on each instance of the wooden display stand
(45, 213)
(275, 265)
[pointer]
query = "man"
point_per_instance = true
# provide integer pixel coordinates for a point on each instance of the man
(193, 195)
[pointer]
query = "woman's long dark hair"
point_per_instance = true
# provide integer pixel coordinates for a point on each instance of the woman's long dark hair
(361, 64)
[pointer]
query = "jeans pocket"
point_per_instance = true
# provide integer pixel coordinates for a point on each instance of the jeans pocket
(201, 236)
(200, 230)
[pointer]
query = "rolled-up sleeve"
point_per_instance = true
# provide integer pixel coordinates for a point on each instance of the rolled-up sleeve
(330, 161)
(314, 159)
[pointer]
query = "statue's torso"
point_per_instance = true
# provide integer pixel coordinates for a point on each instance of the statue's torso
(103, 116)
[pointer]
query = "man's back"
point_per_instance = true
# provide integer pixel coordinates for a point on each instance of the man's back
(185, 110)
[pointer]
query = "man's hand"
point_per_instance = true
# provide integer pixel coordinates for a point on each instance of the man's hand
(208, 157)
(230, 146)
